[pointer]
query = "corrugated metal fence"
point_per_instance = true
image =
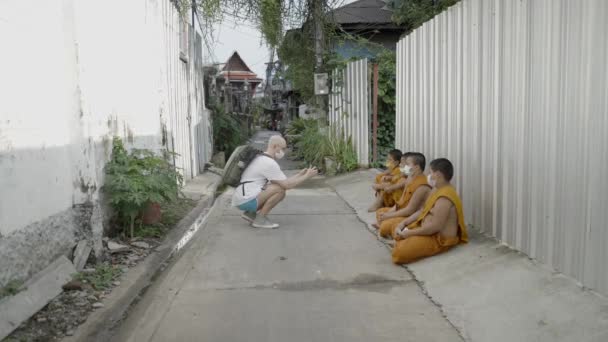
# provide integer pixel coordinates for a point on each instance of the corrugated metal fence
(349, 105)
(515, 93)
(186, 119)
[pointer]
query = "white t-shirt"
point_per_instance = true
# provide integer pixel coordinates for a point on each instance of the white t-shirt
(260, 171)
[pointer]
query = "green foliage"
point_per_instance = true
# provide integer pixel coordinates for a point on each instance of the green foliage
(11, 288)
(340, 148)
(411, 14)
(227, 133)
(296, 128)
(257, 110)
(297, 52)
(271, 25)
(101, 279)
(298, 125)
(311, 147)
(317, 143)
(386, 102)
(135, 180)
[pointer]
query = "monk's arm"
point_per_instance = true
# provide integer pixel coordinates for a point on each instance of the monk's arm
(409, 220)
(415, 203)
(436, 220)
(397, 186)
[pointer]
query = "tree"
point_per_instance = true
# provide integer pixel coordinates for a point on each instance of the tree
(413, 13)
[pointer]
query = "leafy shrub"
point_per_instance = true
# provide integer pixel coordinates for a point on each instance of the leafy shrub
(314, 145)
(311, 147)
(227, 135)
(341, 149)
(137, 179)
(297, 127)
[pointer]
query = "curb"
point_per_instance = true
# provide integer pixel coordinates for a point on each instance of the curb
(100, 323)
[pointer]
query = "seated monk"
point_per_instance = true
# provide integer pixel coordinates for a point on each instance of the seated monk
(386, 175)
(438, 226)
(413, 198)
(386, 185)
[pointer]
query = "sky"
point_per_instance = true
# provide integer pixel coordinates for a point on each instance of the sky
(232, 35)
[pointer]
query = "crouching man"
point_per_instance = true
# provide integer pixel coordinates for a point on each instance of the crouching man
(263, 185)
(438, 226)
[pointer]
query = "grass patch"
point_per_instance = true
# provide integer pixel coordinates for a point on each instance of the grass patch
(12, 288)
(101, 279)
(177, 210)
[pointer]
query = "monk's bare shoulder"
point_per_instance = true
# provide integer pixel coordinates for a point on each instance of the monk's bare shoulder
(442, 207)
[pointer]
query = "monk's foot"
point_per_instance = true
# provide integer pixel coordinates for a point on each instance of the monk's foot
(375, 225)
(386, 241)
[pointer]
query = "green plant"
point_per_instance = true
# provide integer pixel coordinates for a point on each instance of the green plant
(311, 147)
(386, 102)
(11, 288)
(137, 179)
(227, 134)
(101, 279)
(340, 148)
(318, 143)
(297, 127)
(411, 14)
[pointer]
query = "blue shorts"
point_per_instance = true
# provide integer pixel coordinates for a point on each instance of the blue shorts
(251, 206)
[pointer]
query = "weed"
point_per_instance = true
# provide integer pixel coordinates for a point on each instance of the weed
(101, 279)
(12, 288)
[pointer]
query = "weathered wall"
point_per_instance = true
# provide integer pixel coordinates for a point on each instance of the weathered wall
(515, 93)
(79, 73)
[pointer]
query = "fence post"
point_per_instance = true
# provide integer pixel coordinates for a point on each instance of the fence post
(375, 115)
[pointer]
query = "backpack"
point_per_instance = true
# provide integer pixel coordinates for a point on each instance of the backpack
(237, 164)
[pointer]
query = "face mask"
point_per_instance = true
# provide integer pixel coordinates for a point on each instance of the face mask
(280, 154)
(407, 170)
(431, 181)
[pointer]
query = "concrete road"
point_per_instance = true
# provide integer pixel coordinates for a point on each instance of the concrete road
(320, 277)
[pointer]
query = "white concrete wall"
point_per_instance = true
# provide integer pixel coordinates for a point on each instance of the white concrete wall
(73, 74)
(515, 94)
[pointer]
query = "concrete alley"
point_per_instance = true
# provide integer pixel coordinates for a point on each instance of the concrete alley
(320, 277)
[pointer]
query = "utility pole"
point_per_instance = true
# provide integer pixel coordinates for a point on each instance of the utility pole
(318, 13)
(269, 67)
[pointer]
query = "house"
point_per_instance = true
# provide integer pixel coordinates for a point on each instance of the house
(237, 83)
(369, 19)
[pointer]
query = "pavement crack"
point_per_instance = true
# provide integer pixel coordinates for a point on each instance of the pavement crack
(362, 282)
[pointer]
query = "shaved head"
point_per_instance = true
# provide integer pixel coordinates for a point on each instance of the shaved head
(278, 141)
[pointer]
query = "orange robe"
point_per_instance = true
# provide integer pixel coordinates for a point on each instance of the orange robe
(390, 199)
(418, 247)
(387, 227)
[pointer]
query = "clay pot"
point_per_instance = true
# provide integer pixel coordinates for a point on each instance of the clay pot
(152, 214)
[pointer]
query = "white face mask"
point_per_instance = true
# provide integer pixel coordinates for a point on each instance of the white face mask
(280, 154)
(431, 181)
(407, 170)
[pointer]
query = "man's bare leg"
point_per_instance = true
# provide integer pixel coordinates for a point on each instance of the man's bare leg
(267, 200)
(272, 202)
